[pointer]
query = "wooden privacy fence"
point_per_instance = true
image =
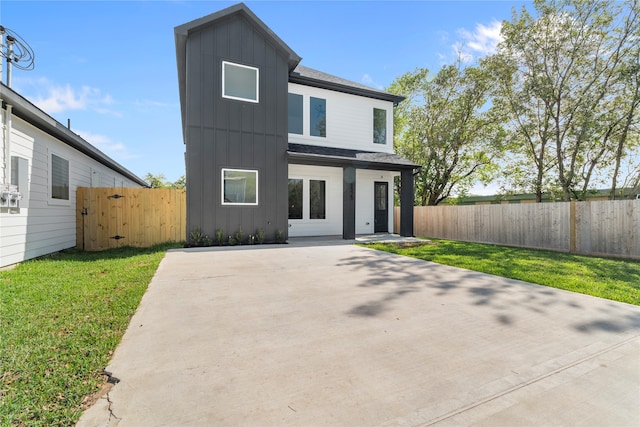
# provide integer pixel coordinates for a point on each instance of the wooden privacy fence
(609, 228)
(114, 217)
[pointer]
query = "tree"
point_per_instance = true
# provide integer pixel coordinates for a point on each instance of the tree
(156, 181)
(563, 77)
(160, 181)
(446, 126)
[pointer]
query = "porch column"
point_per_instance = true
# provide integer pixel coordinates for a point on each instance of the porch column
(406, 203)
(348, 203)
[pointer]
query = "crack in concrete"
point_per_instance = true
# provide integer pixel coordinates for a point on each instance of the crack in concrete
(111, 380)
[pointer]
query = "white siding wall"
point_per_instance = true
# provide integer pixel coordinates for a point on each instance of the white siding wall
(332, 225)
(46, 225)
(349, 120)
(365, 197)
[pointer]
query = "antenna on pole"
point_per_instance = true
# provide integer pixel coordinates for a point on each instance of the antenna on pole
(15, 51)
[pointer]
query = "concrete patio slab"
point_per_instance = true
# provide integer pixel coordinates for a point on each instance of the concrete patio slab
(335, 334)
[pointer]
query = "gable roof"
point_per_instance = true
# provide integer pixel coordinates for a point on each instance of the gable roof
(28, 112)
(310, 77)
(181, 34)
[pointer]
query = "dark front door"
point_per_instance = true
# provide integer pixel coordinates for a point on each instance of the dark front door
(381, 207)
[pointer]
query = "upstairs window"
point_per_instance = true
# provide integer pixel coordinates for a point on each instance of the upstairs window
(379, 126)
(295, 113)
(59, 178)
(318, 117)
(240, 82)
(239, 187)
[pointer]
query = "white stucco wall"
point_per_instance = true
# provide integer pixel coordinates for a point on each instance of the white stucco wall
(330, 226)
(365, 180)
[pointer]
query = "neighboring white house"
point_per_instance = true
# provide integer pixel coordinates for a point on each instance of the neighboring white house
(43, 162)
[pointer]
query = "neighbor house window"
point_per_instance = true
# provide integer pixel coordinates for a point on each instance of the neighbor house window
(317, 199)
(239, 187)
(295, 113)
(59, 178)
(379, 126)
(295, 198)
(240, 82)
(318, 117)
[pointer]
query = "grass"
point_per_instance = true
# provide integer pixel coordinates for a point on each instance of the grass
(614, 279)
(61, 317)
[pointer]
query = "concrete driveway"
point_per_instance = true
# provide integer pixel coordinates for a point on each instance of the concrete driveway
(334, 334)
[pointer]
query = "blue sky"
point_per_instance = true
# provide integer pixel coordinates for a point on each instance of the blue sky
(109, 66)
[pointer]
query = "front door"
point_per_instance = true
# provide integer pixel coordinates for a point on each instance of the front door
(381, 207)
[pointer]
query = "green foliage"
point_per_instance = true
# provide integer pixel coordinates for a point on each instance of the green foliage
(448, 126)
(160, 181)
(219, 237)
(614, 279)
(260, 236)
(279, 236)
(240, 236)
(61, 318)
(569, 81)
(198, 238)
(232, 241)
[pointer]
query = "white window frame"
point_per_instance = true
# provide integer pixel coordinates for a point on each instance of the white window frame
(52, 200)
(306, 198)
(237, 98)
(222, 187)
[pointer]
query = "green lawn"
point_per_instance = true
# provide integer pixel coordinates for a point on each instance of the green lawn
(614, 279)
(61, 317)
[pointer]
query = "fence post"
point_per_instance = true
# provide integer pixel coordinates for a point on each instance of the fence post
(572, 226)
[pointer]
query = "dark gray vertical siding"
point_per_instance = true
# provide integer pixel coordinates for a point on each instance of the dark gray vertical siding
(224, 133)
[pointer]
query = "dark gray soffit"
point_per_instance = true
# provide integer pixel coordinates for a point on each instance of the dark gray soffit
(311, 154)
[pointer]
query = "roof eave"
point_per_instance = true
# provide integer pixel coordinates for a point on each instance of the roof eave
(323, 84)
(28, 112)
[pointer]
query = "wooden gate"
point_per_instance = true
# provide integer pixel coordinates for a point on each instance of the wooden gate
(114, 217)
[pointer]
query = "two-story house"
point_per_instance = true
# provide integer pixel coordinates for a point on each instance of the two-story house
(275, 146)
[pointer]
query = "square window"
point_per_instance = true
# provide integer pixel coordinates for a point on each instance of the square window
(240, 82)
(379, 126)
(295, 113)
(59, 178)
(318, 117)
(239, 187)
(295, 198)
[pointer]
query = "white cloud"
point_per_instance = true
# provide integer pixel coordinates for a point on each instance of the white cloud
(61, 98)
(482, 41)
(114, 149)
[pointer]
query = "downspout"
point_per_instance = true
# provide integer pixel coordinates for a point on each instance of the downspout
(7, 143)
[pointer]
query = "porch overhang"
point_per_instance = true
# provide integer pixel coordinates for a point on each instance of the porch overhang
(349, 161)
(340, 157)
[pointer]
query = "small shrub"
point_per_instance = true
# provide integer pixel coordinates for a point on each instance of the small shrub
(219, 237)
(240, 236)
(198, 238)
(260, 236)
(232, 241)
(279, 236)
